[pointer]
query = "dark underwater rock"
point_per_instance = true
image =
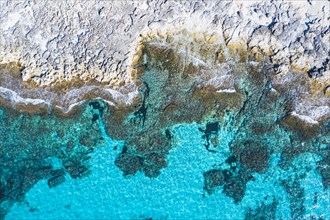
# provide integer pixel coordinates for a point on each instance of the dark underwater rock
(212, 179)
(323, 168)
(255, 156)
(151, 170)
(296, 196)
(29, 142)
(57, 178)
(263, 212)
(128, 163)
(97, 105)
(77, 170)
(212, 128)
(156, 159)
(232, 162)
(235, 188)
(152, 164)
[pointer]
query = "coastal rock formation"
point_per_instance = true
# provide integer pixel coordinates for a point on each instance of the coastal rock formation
(253, 78)
(79, 46)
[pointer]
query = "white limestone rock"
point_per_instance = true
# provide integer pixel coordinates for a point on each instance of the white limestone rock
(61, 40)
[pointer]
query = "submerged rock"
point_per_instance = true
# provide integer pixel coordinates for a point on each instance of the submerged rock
(255, 156)
(235, 188)
(213, 179)
(57, 178)
(264, 211)
(324, 170)
(253, 76)
(128, 163)
(36, 147)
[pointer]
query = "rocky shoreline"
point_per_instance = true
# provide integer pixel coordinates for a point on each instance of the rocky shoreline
(75, 46)
(250, 78)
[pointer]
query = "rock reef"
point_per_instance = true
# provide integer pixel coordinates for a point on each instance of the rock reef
(253, 76)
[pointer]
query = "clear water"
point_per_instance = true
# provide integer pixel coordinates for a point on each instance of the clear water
(67, 168)
(177, 193)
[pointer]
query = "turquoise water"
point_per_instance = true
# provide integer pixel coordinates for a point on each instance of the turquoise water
(184, 152)
(177, 193)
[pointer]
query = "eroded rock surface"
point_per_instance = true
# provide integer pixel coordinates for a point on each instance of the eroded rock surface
(86, 44)
(257, 72)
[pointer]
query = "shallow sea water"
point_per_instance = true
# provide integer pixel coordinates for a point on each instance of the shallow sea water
(177, 193)
(240, 156)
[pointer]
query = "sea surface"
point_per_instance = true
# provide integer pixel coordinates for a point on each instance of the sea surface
(177, 193)
(219, 141)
